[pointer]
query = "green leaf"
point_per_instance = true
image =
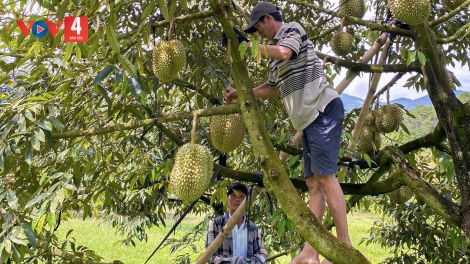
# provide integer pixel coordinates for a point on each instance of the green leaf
(40, 224)
(49, 139)
(104, 93)
(103, 74)
(135, 88)
(184, 4)
(31, 237)
(28, 154)
(351, 73)
(12, 200)
(405, 128)
(35, 143)
(21, 123)
(242, 48)
(51, 221)
(422, 58)
(36, 199)
(39, 133)
(7, 128)
(2, 161)
(44, 124)
(143, 98)
(127, 65)
(171, 11)
(112, 39)
(36, 98)
(62, 9)
(56, 123)
(68, 51)
(113, 194)
(163, 8)
(18, 237)
(147, 10)
(411, 58)
(368, 160)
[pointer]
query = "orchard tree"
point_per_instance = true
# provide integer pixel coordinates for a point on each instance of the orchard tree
(87, 129)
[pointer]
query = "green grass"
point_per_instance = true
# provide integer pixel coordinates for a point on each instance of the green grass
(102, 240)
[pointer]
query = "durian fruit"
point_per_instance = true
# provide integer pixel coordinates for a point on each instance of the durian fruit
(191, 172)
(369, 140)
(169, 57)
(370, 119)
(412, 12)
(342, 43)
(453, 4)
(388, 118)
(400, 195)
(227, 131)
(355, 8)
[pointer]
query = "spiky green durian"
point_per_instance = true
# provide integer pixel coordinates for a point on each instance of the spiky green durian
(191, 172)
(168, 58)
(412, 12)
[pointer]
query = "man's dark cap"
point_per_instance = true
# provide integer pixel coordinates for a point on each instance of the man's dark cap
(258, 12)
(239, 187)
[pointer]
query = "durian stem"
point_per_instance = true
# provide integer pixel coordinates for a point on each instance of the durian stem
(170, 30)
(229, 49)
(388, 94)
(325, 60)
(194, 130)
(377, 103)
(341, 26)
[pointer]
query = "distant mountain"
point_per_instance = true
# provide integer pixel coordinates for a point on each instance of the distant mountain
(351, 102)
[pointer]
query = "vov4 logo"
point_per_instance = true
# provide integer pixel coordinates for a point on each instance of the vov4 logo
(75, 28)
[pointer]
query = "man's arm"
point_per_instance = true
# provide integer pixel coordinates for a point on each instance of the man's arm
(274, 51)
(263, 91)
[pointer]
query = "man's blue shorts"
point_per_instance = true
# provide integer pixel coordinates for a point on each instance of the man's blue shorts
(321, 141)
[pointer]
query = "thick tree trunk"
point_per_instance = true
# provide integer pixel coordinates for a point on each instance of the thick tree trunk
(451, 113)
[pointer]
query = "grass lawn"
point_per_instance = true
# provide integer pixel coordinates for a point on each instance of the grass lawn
(102, 240)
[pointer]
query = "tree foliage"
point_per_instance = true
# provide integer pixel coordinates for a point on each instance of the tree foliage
(86, 128)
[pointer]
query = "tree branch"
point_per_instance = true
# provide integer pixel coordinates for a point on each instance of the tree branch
(221, 110)
(389, 84)
(434, 138)
(363, 67)
(185, 18)
(450, 14)
(426, 192)
(373, 25)
(454, 37)
(214, 100)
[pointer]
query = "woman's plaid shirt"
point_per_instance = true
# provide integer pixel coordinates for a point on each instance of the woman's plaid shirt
(255, 245)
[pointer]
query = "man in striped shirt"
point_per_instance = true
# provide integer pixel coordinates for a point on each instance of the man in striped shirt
(314, 108)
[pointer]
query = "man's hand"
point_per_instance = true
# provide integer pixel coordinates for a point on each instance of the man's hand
(240, 37)
(222, 260)
(230, 93)
(255, 260)
(238, 260)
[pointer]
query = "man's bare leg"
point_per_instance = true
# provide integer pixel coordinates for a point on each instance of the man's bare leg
(337, 206)
(316, 203)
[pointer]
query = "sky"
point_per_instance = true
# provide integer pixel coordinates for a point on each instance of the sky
(360, 84)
